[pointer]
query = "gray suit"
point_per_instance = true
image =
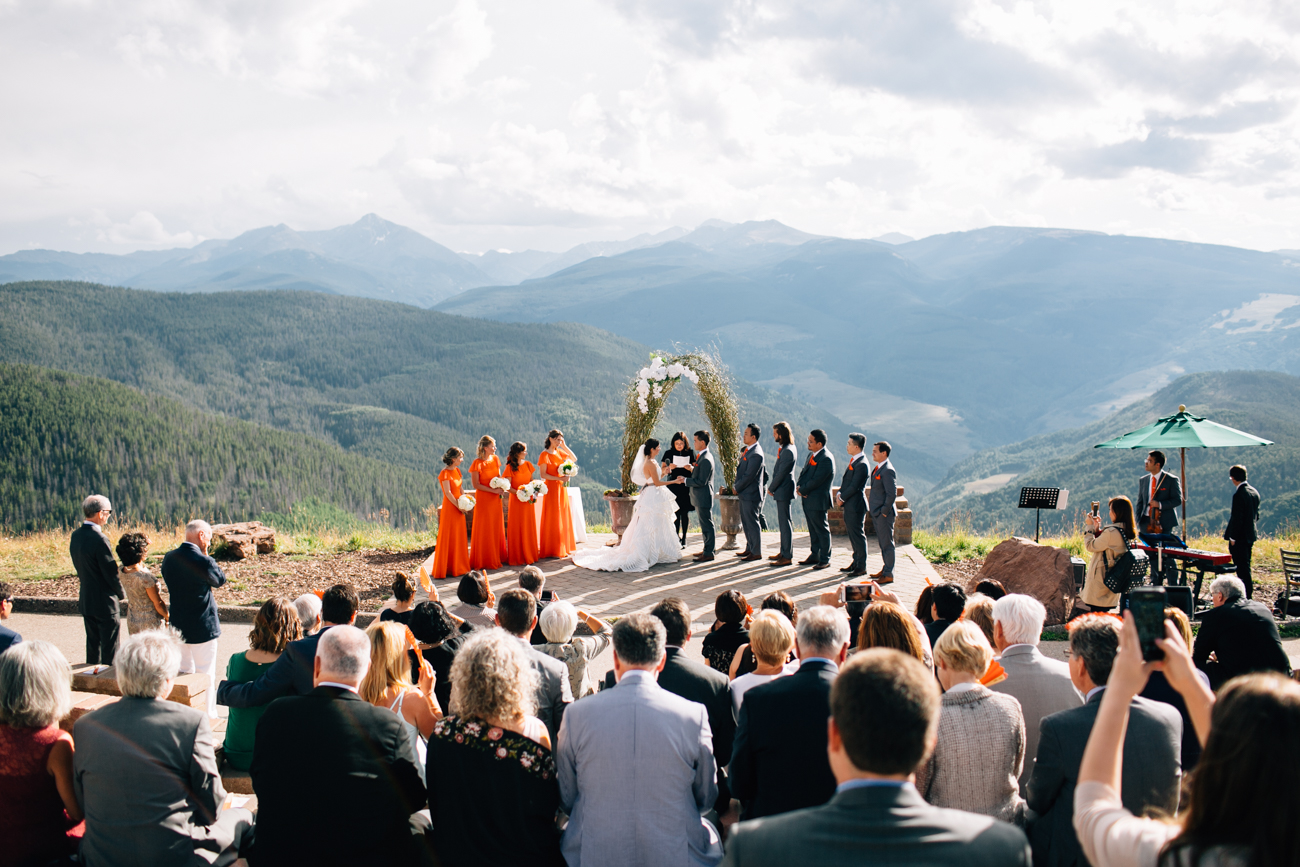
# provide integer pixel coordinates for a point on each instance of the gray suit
(554, 692)
(856, 475)
(884, 492)
(1042, 686)
(700, 482)
(781, 487)
(750, 488)
(815, 487)
(636, 773)
(146, 776)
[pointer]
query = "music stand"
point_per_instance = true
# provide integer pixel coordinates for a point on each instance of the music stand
(1038, 499)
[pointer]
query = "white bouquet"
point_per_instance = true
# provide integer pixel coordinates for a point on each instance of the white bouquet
(568, 469)
(500, 483)
(531, 492)
(465, 503)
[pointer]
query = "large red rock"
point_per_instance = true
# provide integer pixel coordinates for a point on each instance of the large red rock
(1040, 571)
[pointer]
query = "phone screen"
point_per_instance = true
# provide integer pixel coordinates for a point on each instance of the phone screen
(857, 592)
(1148, 607)
(547, 596)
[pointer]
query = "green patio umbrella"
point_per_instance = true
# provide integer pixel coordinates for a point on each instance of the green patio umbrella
(1184, 431)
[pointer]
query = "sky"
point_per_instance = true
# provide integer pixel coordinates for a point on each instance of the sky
(493, 124)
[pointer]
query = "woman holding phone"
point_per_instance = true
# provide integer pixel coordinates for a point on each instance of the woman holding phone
(1105, 545)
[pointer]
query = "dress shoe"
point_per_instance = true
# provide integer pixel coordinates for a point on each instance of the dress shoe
(782, 561)
(774, 557)
(822, 566)
(857, 573)
(808, 562)
(749, 557)
(883, 579)
(704, 558)
(847, 569)
(742, 553)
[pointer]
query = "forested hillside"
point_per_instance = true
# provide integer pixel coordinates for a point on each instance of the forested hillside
(66, 436)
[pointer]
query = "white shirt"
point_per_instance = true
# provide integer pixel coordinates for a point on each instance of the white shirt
(638, 674)
(960, 687)
(98, 529)
(1096, 689)
(349, 687)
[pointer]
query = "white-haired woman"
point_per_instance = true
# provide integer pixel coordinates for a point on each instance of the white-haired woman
(40, 819)
(558, 622)
(492, 749)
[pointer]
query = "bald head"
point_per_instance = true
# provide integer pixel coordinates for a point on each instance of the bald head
(342, 656)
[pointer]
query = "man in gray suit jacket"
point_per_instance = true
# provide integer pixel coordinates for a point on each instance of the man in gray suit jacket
(101, 593)
(884, 720)
(884, 493)
(851, 498)
(700, 481)
(781, 487)
(1041, 685)
(635, 766)
(815, 488)
(517, 614)
(751, 484)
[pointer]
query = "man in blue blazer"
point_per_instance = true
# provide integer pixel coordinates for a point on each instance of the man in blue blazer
(751, 484)
(815, 489)
(854, 502)
(190, 575)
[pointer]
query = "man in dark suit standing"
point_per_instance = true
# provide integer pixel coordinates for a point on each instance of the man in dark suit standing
(190, 575)
(1240, 632)
(815, 488)
(884, 494)
(884, 717)
(700, 481)
(751, 484)
(331, 754)
(1160, 489)
(851, 498)
(779, 762)
(781, 487)
(1240, 531)
(101, 592)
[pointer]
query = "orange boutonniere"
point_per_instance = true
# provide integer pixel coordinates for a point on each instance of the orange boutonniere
(995, 674)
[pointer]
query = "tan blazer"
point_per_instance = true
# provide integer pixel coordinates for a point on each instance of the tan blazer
(1103, 551)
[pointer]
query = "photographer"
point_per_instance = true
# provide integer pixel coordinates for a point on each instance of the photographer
(1105, 545)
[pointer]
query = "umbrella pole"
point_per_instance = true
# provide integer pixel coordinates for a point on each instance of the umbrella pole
(1182, 471)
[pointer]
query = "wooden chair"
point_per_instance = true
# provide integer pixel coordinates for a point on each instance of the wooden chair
(1291, 575)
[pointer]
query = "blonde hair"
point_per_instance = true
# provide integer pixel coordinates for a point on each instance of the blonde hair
(979, 610)
(483, 442)
(491, 678)
(885, 624)
(1184, 627)
(963, 647)
(771, 636)
(389, 664)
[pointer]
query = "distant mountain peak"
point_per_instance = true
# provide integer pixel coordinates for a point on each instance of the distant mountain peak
(715, 224)
(894, 238)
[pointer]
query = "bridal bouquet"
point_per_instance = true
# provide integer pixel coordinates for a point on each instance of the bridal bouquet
(465, 503)
(568, 469)
(500, 483)
(531, 492)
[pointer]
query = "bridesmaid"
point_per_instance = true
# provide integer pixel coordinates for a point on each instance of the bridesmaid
(487, 547)
(521, 531)
(681, 448)
(451, 556)
(557, 521)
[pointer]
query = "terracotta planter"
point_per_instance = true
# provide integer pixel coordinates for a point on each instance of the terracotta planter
(730, 522)
(620, 513)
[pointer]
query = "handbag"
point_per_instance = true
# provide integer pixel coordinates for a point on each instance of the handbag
(1128, 569)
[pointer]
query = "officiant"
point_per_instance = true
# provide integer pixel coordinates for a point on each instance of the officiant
(681, 448)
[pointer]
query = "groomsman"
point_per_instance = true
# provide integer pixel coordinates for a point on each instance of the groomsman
(1240, 531)
(782, 490)
(751, 483)
(884, 493)
(700, 481)
(851, 498)
(815, 489)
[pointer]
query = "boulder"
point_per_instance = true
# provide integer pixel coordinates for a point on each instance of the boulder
(239, 541)
(1040, 571)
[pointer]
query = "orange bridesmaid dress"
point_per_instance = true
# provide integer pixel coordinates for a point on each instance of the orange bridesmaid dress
(487, 544)
(451, 557)
(521, 529)
(556, 538)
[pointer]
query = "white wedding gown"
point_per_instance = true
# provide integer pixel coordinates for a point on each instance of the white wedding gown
(650, 538)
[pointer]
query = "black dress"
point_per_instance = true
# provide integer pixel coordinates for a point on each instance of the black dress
(681, 492)
(441, 658)
(472, 765)
(721, 644)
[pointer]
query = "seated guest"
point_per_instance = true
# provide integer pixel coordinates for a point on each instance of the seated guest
(291, 673)
(476, 601)
(884, 712)
(731, 615)
(8, 638)
(885, 624)
(1151, 747)
(308, 606)
(403, 601)
(40, 819)
(1240, 634)
(925, 606)
(979, 610)
(1242, 804)
(558, 623)
(771, 637)
(635, 765)
(274, 626)
(949, 601)
(145, 608)
(145, 771)
(517, 615)
(441, 636)
(981, 748)
(492, 750)
(533, 579)
(336, 778)
(991, 588)
(388, 685)
(1158, 688)
(779, 762)
(744, 661)
(1041, 685)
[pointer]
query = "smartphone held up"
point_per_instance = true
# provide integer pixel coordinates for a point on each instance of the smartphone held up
(1148, 607)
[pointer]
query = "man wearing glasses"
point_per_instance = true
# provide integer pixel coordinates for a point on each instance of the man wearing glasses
(101, 590)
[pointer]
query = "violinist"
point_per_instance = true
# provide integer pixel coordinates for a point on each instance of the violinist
(1159, 497)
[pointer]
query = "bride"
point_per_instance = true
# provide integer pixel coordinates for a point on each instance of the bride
(651, 537)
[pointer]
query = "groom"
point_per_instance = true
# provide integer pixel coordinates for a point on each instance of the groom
(700, 482)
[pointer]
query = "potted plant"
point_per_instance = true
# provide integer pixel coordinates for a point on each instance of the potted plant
(621, 504)
(729, 505)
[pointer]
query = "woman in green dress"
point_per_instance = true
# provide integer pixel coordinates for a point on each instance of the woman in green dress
(275, 625)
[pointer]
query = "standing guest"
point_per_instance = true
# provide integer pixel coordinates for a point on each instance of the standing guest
(492, 750)
(637, 731)
(887, 624)
(700, 481)
(558, 622)
(521, 529)
(781, 487)
(980, 752)
(815, 490)
(1240, 531)
(1042, 685)
(979, 610)
(8, 638)
(517, 615)
(744, 661)
(101, 593)
(1159, 688)
(883, 505)
(330, 751)
(1106, 545)
(441, 636)
(487, 548)
(1151, 747)
(771, 637)
(533, 580)
(40, 819)
(556, 536)
(190, 575)
(750, 486)
(274, 626)
(851, 498)
(778, 763)
(680, 449)
(948, 603)
(730, 630)
(308, 606)
(144, 607)
(1240, 633)
(291, 673)
(451, 553)
(388, 684)
(992, 588)
(884, 713)
(476, 601)
(403, 601)
(145, 771)
(1158, 490)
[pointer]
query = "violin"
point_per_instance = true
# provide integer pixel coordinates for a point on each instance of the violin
(1153, 525)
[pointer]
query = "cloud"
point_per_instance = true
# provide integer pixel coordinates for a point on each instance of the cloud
(1157, 150)
(143, 230)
